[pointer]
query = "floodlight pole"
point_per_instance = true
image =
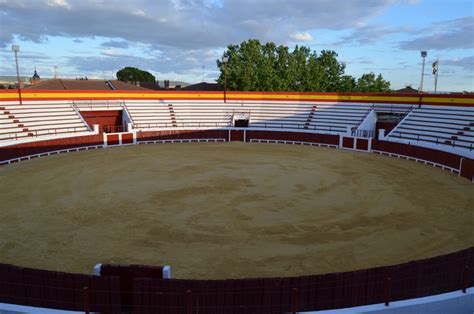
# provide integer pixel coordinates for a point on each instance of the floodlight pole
(225, 60)
(15, 49)
(423, 55)
(436, 75)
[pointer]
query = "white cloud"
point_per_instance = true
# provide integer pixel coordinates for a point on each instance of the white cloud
(301, 36)
(113, 53)
(466, 63)
(138, 12)
(181, 36)
(371, 33)
(115, 44)
(183, 23)
(452, 34)
(59, 3)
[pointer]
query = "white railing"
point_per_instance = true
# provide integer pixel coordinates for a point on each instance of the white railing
(92, 104)
(76, 110)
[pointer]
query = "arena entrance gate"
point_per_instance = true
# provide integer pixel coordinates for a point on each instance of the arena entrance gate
(355, 143)
(241, 119)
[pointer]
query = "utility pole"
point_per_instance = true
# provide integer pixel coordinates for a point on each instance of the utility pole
(225, 60)
(423, 55)
(16, 49)
(435, 73)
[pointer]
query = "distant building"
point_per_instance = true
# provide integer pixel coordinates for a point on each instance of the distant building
(203, 86)
(35, 79)
(407, 90)
(83, 84)
(150, 85)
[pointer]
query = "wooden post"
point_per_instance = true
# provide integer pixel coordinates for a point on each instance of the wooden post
(388, 290)
(188, 302)
(465, 281)
(85, 292)
(294, 301)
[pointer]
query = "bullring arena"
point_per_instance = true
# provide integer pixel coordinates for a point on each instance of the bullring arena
(265, 203)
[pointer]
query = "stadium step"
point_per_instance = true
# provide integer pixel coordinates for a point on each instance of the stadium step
(310, 116)
(172, 115)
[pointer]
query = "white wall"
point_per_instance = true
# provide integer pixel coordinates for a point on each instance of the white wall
(446, 303)
(369, 122)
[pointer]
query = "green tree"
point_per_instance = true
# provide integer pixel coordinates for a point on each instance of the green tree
(347, 84)
(135, 75)
(282, 63)
(256, 67)
(332, 70)
(298, 70)
(368, 83)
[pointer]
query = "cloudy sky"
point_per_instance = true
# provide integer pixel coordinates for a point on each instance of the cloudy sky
(181, 39)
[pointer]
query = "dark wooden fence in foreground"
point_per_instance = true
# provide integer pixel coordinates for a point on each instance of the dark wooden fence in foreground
(120, 289)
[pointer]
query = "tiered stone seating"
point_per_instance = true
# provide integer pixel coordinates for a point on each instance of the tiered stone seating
(338, 117)
(278, 115)
(149, 114)
(440, 125)
(201, 114)
(39, 119)
(326, 117)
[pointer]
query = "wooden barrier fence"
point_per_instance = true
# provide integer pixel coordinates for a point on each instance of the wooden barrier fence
(144, 294)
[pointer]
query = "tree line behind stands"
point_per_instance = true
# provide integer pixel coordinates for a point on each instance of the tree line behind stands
(253, 66)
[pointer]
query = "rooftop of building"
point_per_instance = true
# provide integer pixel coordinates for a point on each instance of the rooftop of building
(83, 84)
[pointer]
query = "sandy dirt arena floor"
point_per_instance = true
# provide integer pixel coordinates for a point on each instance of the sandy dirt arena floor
(230, 210)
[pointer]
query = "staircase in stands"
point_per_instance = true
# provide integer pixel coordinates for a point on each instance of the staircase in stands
(310, 116)
(43, 119)
(460, 133)
(9, 116)
(172, 115)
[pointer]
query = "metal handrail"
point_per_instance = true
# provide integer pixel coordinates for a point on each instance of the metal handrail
(180, 124)
(108, 103)
(34, 133)
(114, 129)
(76, 110)
(439, 140)
(364, 133)
(125, 108)
(218, 124)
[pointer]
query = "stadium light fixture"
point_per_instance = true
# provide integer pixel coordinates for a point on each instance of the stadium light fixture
(424, 54)
(225, 60)
(16, 49)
